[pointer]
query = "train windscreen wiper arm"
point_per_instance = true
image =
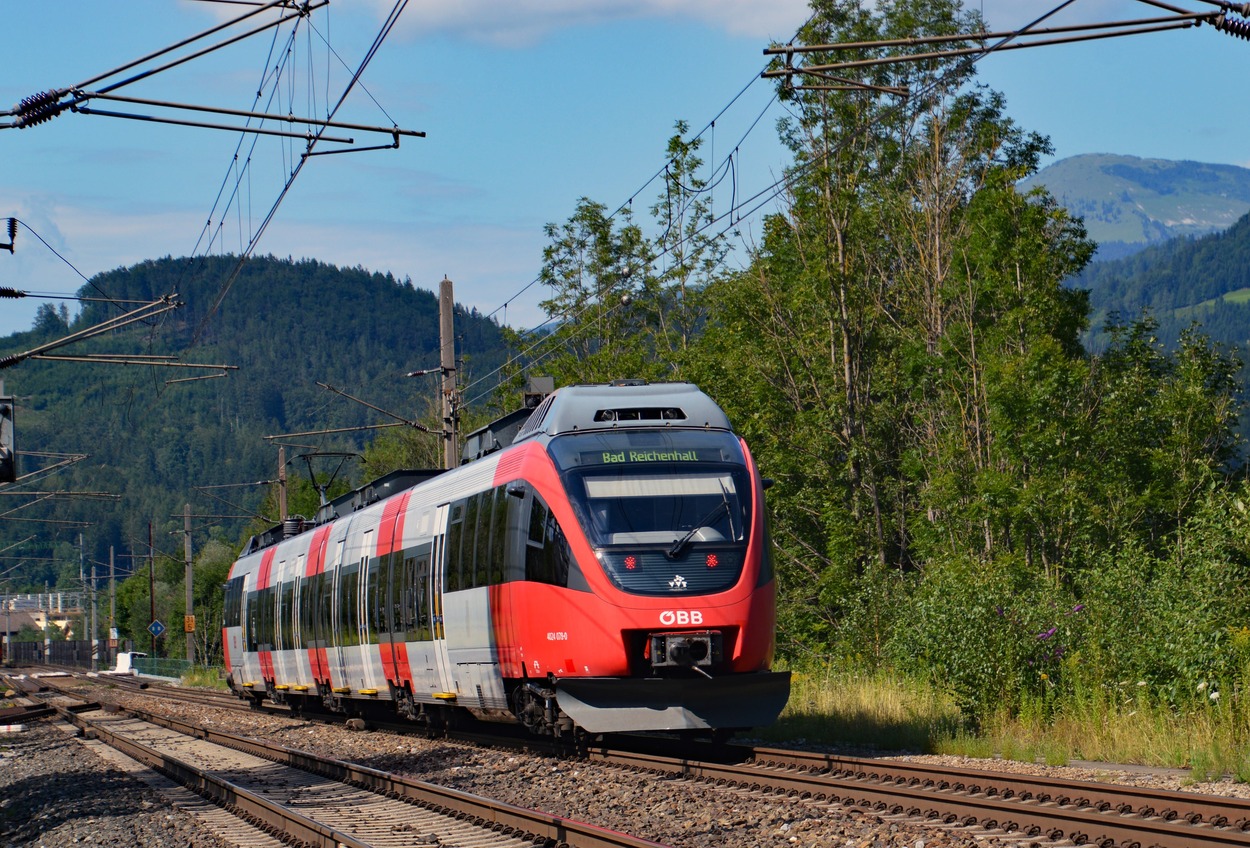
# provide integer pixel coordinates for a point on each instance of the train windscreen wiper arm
(676, 549)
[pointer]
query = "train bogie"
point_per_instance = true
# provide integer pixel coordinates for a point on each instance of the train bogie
(608, 569)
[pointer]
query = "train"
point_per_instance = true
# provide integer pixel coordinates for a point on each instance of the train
(599, 562)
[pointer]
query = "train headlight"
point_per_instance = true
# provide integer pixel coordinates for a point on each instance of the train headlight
(697, 649)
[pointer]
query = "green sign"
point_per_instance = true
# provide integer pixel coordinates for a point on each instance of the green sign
(636, 455)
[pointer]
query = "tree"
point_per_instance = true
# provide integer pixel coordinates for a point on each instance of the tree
(903, 288)
(623, 304)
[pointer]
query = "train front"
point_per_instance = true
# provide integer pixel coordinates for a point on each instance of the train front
(679, 598)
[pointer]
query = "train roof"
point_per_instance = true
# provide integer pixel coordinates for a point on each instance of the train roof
(624, 404)
(571, 409)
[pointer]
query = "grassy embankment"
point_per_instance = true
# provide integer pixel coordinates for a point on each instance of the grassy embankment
(884, 712)
(205, 677)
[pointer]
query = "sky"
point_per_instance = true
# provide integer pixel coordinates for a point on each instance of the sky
(527, 105)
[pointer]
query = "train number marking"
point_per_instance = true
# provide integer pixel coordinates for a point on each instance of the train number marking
(559, 636)
(671, 617)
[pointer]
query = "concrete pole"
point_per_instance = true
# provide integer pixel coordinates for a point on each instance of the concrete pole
(447, 361)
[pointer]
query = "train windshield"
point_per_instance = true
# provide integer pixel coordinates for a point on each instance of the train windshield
(674, 489)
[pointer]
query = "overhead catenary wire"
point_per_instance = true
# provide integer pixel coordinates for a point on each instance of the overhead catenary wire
(754, 203)
(387, 26)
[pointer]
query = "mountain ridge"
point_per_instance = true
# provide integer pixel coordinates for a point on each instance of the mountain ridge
(1128, 202)
(288, 325)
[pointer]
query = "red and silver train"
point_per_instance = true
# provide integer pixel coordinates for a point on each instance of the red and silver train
(604, 565)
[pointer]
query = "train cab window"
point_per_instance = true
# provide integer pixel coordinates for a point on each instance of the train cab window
(649, 488)
(652, 501)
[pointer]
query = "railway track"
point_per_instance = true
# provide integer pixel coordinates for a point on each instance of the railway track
(310, 800)
(1026, 807)
(1081, 812)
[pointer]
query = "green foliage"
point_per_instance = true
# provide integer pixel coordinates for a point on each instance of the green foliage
(30, 633)
(623, 304)
(991, 634)
(1175, 619)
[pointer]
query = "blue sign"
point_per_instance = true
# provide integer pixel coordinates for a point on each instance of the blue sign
(156, 629)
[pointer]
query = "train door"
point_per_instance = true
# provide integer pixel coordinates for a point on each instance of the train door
(437, 571)
(334, 614)
(232, 632)
(367, 616)
(300, 665)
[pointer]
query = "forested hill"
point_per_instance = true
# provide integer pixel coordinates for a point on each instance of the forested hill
(1203, 280)
(286, 324)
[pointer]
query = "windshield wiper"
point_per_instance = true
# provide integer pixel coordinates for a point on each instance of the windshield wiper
(680, 544)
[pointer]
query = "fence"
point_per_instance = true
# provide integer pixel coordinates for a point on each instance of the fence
(161, 666)
(75, 654)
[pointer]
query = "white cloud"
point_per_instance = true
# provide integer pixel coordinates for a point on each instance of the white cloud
(524, 22)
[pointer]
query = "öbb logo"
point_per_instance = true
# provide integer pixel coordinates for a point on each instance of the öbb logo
(671, 617)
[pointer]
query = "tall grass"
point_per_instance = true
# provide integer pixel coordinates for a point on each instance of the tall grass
(204, 677)
(879, 710)
(1121, 723)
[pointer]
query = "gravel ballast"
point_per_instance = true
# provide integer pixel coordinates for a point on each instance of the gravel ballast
(57, 793)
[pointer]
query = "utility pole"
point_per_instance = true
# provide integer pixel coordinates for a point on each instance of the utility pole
(112, 605)
(281, 484)
(95, 633)
(151, 591)
(447, 362)
(188, 624)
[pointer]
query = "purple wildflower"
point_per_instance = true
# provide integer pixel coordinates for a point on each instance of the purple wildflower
(1047, 634)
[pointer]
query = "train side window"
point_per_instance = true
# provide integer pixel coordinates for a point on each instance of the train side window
(547, 554)
(468, 553)
(233, 612)
(396, 583)
(264, 619)
(253, 625)
(349, 605)
(375, 600)
(286, 615)
(538, 520)
(421, 605)
(402, 600)
(307, 606)
(451, 559)
(499, 534)
(325, 608)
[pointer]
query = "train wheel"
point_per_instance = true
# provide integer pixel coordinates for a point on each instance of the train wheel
(530, 708)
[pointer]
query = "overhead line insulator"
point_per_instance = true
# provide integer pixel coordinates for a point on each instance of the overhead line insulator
(1233, 26)
(38, 108)
(5, 291)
